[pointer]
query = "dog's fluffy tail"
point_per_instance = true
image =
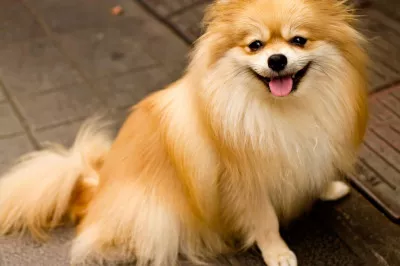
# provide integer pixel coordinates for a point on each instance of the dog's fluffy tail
(45, 187)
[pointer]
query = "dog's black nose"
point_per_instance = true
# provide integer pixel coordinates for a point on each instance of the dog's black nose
(277, 62)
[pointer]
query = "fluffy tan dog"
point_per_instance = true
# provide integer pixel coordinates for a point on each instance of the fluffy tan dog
(268, 115)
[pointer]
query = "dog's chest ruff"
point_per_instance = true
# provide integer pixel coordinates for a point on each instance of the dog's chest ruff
(292, 166)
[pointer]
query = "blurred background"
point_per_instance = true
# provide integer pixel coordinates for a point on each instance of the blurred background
(64, 60)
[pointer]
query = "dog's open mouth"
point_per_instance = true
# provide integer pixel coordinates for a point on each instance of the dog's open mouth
(281, 86)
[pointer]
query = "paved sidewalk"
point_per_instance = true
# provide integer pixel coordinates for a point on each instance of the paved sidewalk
(61, 61)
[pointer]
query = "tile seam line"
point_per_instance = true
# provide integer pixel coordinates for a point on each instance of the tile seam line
(80, 119)
(182, 10)
(24, 123)
(164, 21)
(67, 86)
(385, 86)
(12, 135)
(63, 52)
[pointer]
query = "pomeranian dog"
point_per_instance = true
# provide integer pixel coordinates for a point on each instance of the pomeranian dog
(269, 114)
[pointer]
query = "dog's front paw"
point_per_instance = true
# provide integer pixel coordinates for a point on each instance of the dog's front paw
(281, 257)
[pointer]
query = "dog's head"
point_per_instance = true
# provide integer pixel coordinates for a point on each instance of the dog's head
(283, 47)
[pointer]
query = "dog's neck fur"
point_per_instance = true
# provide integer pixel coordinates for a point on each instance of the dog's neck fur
(296, 145)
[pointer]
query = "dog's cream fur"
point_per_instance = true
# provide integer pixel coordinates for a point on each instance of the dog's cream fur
(214, 157)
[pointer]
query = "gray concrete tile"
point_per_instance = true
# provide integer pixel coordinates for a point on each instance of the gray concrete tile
(62, 134)
(136, 41)
(65, 134)
(9, 123)
(17, 23)
(34, 66)
(22, 251)
(130, 88)
(163, 45)
(105, 52)
(166, 8)
(60, 106)
(11, 148)
(2, 96)
(118, 117)
(67, 16)
(157, 40)
(189, 22)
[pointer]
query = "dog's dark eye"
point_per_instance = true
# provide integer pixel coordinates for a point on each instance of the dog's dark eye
(298, 40)
(256, 45)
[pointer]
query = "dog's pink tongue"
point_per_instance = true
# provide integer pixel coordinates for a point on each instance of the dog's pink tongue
(281, 86)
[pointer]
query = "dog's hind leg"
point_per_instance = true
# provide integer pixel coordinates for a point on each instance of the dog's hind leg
(125, 224)
(335, 190)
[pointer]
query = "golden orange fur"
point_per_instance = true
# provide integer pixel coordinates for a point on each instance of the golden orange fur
(215, 157)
